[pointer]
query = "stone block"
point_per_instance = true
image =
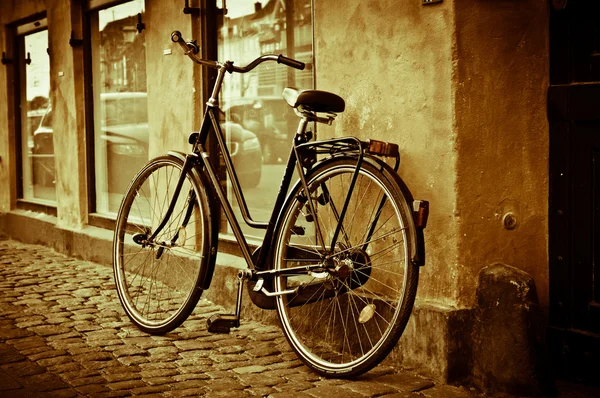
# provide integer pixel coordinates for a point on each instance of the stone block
(508, 349)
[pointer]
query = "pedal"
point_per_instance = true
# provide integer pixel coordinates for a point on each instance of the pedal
(222, 323)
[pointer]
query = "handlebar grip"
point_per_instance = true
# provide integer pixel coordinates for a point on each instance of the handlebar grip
(190, 47)
(176, 36)
(290, 62)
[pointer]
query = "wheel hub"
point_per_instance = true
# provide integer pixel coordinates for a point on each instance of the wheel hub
(141, 239)
(343, 269)
(352, 269)
(159, 252)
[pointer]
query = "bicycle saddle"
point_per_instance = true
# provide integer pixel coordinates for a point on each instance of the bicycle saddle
(314, 100)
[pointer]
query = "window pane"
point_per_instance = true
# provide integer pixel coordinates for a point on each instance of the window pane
(259, 124)
(37, 150)
(120, 101)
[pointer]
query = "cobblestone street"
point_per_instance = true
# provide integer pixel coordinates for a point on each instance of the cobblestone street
(63, 334)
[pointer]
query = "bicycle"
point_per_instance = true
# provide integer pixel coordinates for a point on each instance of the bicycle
(342, 249)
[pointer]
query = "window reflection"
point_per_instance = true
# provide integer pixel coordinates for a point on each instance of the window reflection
(120, 101)
(252, 102)
(37, 152)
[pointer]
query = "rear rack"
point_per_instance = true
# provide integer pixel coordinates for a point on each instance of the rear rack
(349, 144)
(346, 144)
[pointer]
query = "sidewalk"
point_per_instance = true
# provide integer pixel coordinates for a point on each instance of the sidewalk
(63, 334)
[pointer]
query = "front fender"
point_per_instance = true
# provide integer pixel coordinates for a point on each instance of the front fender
(199, 174)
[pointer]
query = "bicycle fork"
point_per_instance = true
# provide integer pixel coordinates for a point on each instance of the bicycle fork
(143, 239)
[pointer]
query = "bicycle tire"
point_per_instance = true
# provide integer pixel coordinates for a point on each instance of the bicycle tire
(159, 283)
(370, 284)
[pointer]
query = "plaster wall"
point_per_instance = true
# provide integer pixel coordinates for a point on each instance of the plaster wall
(502, 141)
(392, 61)
(7, 156)
(171, 86)
(67, 97)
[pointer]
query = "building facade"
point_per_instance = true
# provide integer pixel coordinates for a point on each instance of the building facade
(491, 103)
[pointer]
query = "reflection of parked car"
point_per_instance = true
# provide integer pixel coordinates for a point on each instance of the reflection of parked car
(34, 117)
(124, 128)
(244, 149)
(42, 152)
(124, 124)
(268, 118)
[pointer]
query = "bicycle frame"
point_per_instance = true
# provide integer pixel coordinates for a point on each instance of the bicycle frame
(269, 226)
(199, 158)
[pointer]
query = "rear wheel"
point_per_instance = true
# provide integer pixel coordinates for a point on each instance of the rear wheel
(158, 280)
(347, 315)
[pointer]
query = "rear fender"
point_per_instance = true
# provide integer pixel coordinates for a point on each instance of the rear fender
(418, 238)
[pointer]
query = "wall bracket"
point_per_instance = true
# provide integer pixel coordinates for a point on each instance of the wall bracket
(140, 25)
(75, 42)
(5, 60)
(191, 10)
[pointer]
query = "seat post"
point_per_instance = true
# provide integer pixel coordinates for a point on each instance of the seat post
(311, 116)
(302, 126)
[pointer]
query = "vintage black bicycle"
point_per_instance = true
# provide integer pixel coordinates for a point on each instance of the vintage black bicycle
(342, 248)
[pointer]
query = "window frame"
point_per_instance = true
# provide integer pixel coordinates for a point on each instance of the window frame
(205, 25)
(16, 33)
(95, 218)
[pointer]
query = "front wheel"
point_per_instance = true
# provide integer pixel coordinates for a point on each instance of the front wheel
(158, 279)
(346, 315)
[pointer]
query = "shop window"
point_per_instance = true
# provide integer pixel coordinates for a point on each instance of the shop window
(36, 167)
(119, 98)
(259, 125)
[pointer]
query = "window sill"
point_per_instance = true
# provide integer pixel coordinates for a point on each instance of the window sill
(37, 206)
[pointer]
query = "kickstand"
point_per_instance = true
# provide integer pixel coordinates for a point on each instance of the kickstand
(222, 323)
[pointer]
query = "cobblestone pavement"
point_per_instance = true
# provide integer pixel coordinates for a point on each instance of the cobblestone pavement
(63, 334)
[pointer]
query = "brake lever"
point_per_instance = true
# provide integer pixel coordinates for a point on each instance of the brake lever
(193, 47)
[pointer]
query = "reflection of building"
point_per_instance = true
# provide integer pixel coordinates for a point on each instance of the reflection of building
(37, 86)
(123, 56)
(272, 29)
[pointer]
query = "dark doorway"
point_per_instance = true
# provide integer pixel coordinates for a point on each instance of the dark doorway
(574, 221)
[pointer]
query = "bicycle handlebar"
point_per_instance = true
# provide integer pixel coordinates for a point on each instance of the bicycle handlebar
(290, 62)
(191, 49)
